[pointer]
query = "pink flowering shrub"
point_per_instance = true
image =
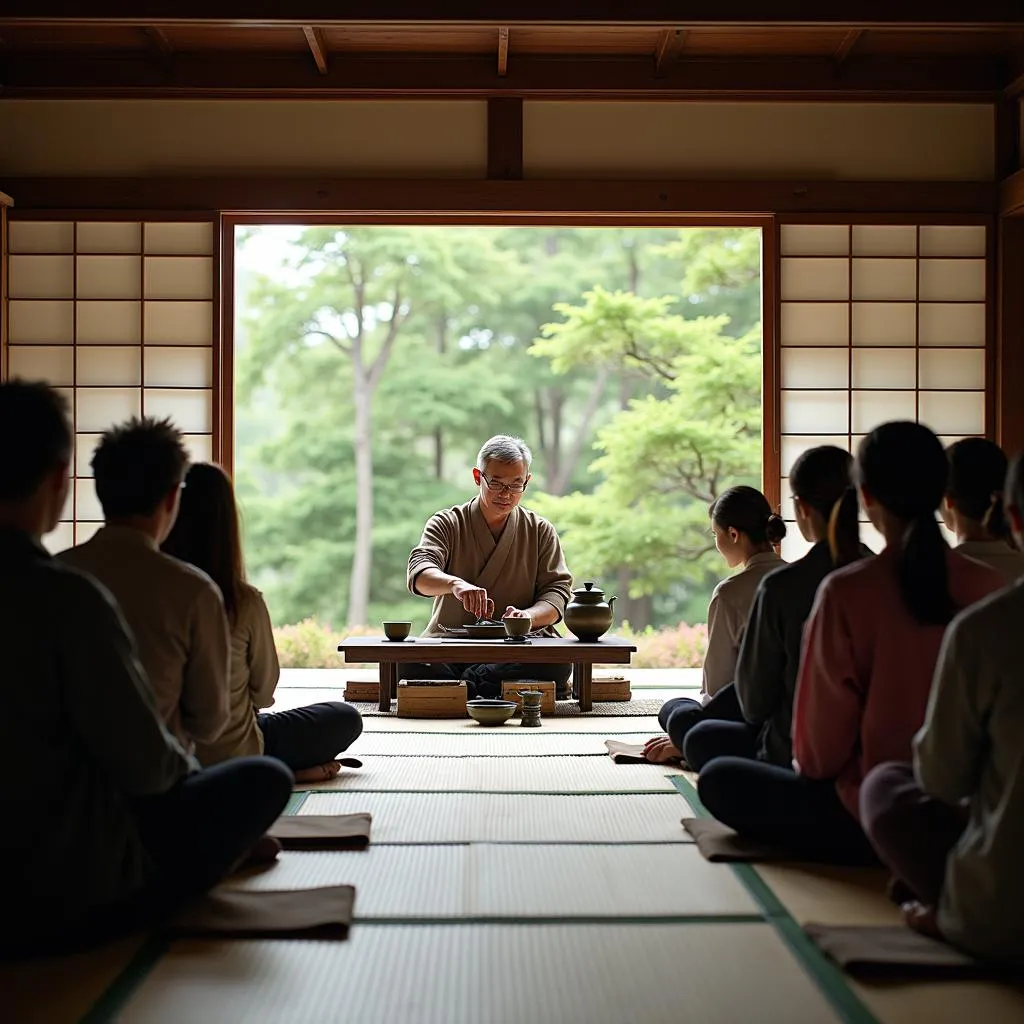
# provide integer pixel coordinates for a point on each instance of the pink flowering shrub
(679, 646)
(314, 644)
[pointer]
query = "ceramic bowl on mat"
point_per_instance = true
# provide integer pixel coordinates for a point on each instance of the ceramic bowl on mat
(516, 626)
(491, 712)
(397, 630)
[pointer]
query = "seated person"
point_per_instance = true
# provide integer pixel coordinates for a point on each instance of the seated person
(491, 557)
(746, 532)
(868, 656)
(770, 653)
(973, 505)
(950, 826)
(114, 826)
(175, 611)
(307, 739)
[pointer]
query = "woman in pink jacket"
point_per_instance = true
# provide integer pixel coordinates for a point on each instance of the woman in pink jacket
(869, 652)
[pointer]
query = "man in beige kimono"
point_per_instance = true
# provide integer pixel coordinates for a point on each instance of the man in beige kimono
(491, 557)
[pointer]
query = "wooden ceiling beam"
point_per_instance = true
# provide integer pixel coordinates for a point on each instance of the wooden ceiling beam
(317, 47)
(669, 46)
(850, 40)
(503, 51)
(507, 201)
(723, 13)
(429, 76)
(157, 38)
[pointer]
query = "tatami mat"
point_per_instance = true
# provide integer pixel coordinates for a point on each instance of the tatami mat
(943, 1002)
(831, 895)
(487, 880)
(449, 974)
(391, 881)
(490, 743)
(670, 880)
(605, 726)
(62, 989)
(482, 818)
(500, 775)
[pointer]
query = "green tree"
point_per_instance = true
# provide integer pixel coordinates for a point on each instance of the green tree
(670, 452)
(350, 295)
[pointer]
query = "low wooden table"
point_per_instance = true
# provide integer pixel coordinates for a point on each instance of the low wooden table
(609, 650)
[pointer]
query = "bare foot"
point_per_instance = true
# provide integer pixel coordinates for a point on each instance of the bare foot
(661, 751)
(263, 852)
(922, 918)
(319, 772)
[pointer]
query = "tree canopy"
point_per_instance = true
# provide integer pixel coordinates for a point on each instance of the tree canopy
(373, 362)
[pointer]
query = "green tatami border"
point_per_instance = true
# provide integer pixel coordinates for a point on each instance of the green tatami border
(829, 978)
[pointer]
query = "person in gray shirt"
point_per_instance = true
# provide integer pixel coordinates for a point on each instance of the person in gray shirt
(114, 826)
(769, 658)
(951, 825)
(175, 611)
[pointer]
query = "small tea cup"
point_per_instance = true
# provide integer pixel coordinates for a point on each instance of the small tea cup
(516, 626)
(397, 630)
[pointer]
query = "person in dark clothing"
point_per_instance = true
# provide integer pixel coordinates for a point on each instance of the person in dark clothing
(757, 722)
(117, 827)
(866, 662)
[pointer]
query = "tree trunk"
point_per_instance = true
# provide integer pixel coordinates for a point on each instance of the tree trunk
(442, 347)
(554, 458)
(359, 582)
(568, 465)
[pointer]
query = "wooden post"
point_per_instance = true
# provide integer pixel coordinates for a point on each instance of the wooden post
(504, 139)
(1009, 381)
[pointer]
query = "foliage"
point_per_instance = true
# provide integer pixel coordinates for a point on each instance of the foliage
(652, 361)
(680, 646)
(313, 644)
(668, 455)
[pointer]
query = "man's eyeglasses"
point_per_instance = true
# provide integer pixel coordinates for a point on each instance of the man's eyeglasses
(497, 487)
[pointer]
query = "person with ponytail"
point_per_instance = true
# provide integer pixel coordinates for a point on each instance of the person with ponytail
(869, 651)
(950, 826)
(973, 505)
(307, 739)
(746, 533)
(769, 656)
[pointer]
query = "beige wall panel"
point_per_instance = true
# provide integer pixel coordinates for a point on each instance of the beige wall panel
(166, 137)
(901, 141)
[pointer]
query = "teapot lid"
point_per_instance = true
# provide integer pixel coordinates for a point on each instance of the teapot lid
(589, 587)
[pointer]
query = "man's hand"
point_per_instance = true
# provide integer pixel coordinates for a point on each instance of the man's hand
(511, 612)
(474, 599)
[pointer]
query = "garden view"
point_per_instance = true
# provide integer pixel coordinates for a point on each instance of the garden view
(372, 362)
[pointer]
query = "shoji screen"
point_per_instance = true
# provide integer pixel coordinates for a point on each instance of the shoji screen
(879, 322)
(120, 316)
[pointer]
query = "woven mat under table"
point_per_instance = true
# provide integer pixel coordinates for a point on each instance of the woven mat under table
(563, 709)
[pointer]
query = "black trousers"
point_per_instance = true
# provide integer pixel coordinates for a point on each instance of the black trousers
(679, 715)
(193, 835)
(486, 680)
(315, 734)
(777, 806)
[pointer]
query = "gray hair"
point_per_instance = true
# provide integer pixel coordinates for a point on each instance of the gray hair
(503, 448)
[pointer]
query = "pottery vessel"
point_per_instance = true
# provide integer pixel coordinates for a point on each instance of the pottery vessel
(588, 614)
(491, 712)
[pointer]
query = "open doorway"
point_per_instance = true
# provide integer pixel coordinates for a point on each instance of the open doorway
(372, 361)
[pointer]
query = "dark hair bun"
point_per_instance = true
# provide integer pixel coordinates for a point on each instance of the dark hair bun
(774, 529)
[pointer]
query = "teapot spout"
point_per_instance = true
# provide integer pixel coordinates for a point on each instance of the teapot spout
(611, 602)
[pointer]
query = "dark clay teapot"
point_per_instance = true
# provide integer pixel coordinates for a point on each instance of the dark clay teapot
(588, 614)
